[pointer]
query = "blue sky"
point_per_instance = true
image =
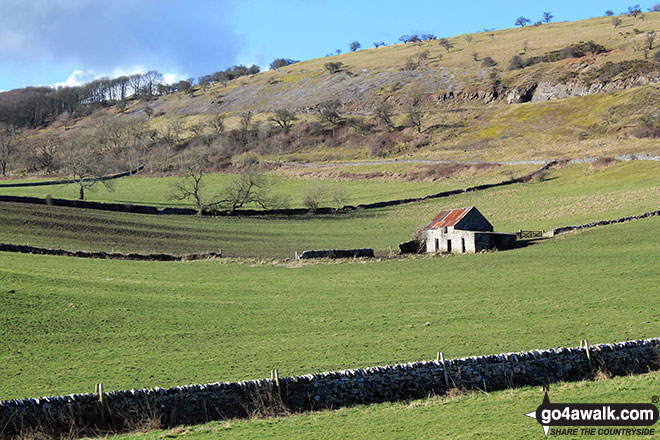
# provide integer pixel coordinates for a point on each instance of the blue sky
(46, 42)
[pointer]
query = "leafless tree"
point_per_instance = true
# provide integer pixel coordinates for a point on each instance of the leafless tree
(244, 121)
(446, 44)
(249, 187)
(151, 79)
(191, 185)
(547, 17)
(42, 152)
(135, 81)
(522, 21)
(172, 132)
(616, 21)
(340, 196)
(383, 113)
(329, 111)
(355, 45)
(415, 116)
(284, 118)
(334, 67)
(217, 123)
(8, 146)
(83, 162)
(650, 39)
(313, 196)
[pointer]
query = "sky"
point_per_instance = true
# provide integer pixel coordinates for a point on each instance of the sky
(69, 42)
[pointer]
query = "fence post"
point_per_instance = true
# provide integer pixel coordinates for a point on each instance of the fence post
(441, 355)
(585, 344)
(98, 389)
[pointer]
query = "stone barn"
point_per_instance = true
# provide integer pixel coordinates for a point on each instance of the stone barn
(464, 231)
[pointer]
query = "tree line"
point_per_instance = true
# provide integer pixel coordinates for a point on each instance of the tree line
(31, 107)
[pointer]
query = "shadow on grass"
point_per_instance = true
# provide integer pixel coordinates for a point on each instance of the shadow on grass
(530, 242)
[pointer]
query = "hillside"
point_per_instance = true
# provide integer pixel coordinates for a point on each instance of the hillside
(558, 90)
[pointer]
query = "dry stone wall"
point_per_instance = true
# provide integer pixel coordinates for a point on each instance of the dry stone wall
(25, 249)
(153, 210)
(565, 229)
(121, 410)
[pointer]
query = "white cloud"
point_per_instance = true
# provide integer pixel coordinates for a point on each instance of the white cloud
(77, 78)
(80, 77)
(171, 78)
(127, 71)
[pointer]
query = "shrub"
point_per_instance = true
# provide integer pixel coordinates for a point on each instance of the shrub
(281, 62)
(334, 67)
(488, 62)
(516, 62)
(313, 196)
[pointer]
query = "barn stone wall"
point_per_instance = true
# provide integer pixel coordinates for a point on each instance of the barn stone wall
(119, 410)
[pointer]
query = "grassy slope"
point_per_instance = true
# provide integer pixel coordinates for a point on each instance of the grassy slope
(156, 190)
(493, 416)
(509, 128)
(571, 195)
(69, 323)
(586, 126)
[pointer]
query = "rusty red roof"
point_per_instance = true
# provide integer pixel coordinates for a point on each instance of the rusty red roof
(448, 217)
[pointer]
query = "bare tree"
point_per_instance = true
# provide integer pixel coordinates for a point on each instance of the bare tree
(547, 17)
(415, 116)
(522, 21)
(609, 13)
(616, 21)
(650, 39)
(383, 113)
(655, 8)
(446, 44)
(634, 11)
(8, 146)
(151, 79)
(340, 196)
(244, 121)
(248, 187)
(329, 111)
(190, 186)
(42, 152)
(334, 67)
(172, 132)
(284, 118)
(135, 81)
(218, 124)
(83, 162)
(355, 45)
(313, 196)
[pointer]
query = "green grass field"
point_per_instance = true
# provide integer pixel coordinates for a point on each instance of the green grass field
(494, 416)
(157, 191)
(69, 323)
(571, 195)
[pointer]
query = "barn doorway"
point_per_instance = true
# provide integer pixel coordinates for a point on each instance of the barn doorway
(437, 245)
(449, 246)
(463, 244)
